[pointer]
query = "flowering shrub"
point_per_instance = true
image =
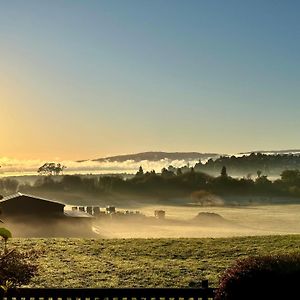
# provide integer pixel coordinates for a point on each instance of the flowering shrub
(262, 277)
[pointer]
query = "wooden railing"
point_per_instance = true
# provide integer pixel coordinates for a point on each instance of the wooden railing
(203, 293)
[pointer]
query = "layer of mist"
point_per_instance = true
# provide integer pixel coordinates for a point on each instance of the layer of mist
(14, 167)
(179, 222)
(51, 228)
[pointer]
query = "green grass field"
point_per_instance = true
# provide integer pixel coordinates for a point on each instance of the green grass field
(144, 262)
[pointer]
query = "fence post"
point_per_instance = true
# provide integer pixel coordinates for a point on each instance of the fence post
(205, 288)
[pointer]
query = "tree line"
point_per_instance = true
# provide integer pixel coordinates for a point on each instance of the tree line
(166, 185)
(248, 165)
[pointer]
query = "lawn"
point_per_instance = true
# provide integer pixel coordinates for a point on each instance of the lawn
(144, 262)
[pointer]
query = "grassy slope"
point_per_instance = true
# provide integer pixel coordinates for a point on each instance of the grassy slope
(144, 262)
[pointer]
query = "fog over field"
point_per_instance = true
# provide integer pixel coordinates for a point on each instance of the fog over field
(148, 144)
(180, 222)
(197, 205)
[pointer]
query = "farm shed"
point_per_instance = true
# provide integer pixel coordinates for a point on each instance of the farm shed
(29, 215)
(21, 205)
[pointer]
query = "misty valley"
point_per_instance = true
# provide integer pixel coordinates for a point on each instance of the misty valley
(194, 204)
(171, 228)
(149, 150)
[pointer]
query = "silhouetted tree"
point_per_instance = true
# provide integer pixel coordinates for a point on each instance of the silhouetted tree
(178, 172)
(140, 172)
(51, 169)
(172, 169)
(59, 169)
(224, 172)
(166, 173)
(291, 177)
(9, 185)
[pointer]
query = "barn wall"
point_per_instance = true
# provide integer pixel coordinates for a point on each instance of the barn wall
(25, 205)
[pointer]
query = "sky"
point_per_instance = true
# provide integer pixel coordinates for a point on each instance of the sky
(87, 79)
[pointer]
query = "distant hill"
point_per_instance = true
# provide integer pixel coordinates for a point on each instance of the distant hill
(275, 152)
(187, 156)
(267, 163)
(157, 156)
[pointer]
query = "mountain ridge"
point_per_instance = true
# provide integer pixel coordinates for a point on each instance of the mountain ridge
(158, 155)
(273, 152)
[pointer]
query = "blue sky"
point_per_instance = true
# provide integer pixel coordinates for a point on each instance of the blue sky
(82, 79)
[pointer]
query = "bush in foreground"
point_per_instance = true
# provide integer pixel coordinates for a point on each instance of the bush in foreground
(16, 267)
(262, 277)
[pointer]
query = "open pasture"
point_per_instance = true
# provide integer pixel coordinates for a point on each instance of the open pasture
(253, 220)
(144, 262)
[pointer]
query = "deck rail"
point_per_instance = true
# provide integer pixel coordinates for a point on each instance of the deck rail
(203, 293)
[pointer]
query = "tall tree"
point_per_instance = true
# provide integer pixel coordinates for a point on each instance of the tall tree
(140, 172)
(51, 169)
(224, 172)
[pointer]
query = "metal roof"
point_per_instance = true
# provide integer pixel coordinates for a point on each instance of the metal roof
(17, 195)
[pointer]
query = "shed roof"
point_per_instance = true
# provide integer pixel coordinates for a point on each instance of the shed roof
(17, 195)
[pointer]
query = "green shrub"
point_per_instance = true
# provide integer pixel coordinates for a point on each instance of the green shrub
(262, 277)
(16, 267)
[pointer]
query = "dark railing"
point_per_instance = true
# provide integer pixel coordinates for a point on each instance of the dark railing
(203, 293)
